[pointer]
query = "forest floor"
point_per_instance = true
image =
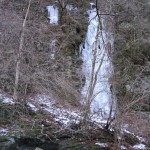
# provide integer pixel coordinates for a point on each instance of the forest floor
(41, 116)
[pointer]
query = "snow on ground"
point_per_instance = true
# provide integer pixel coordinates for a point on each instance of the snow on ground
(64, 116)
(123, 147)
(3, 132)
(103, 145)
(124, 129)
(6, 100)
(32, 107)
(139, 147)
(98, 120)
(141, 139)
(70, 7)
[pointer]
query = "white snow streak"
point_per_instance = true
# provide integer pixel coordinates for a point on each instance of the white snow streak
(139, 147)
(123, 147)
(32, 106)
(64, 116)
(103, 145)
(124, 129)
(53, 49)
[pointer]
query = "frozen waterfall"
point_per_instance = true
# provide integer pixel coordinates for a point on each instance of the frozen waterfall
(53, 14)
(101, 98)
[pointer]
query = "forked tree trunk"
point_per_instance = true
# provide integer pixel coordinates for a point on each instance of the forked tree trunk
(93, 79)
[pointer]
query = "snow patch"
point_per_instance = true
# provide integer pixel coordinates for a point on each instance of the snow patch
(6, 100)
(70, 7)
(32, 107)
(53, 49)
(139, 147)
(98, 119)
(64, 116)
(3, 132)
(103, 145)
(124, 129)
(123, 147)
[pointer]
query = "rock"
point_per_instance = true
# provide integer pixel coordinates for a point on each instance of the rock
(128, 87)
(38, 148)
(26, 143)
(6, 142)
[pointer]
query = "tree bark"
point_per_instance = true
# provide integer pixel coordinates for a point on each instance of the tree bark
(17, 70)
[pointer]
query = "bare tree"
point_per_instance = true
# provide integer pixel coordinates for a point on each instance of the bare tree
(19, 57)
(62, 8)
(130, 63)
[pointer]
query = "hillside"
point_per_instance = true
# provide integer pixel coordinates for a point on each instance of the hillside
(74, 74)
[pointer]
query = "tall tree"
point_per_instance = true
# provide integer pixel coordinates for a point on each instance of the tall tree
(19, 57)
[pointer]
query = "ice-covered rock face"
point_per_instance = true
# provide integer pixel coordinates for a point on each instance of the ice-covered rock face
(53, 14)
(53, 49)
(102, 95)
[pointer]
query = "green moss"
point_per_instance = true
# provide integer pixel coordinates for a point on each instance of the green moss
(3, 139)
(70, 51)
(78, 40)
(93, 147)
(33, 133)
(71, 144)
(79, 62)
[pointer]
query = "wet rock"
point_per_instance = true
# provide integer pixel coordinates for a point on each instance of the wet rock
(27, 143)
(71, 144)
(6, 142)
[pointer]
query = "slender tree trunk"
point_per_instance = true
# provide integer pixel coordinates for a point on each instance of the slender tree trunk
(93, 79)
(62, 9)
(17, 74)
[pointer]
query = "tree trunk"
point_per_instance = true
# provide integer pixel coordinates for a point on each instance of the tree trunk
(17, 74)
(93, 79)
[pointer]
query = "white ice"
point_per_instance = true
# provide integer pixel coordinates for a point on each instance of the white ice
(123, 147)
(69, 7)
(32, 107)
(53, 14)
(139, 147)
(52, 49)
(102, 95)
(3, 132)
(6, 100)
(102, 144)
